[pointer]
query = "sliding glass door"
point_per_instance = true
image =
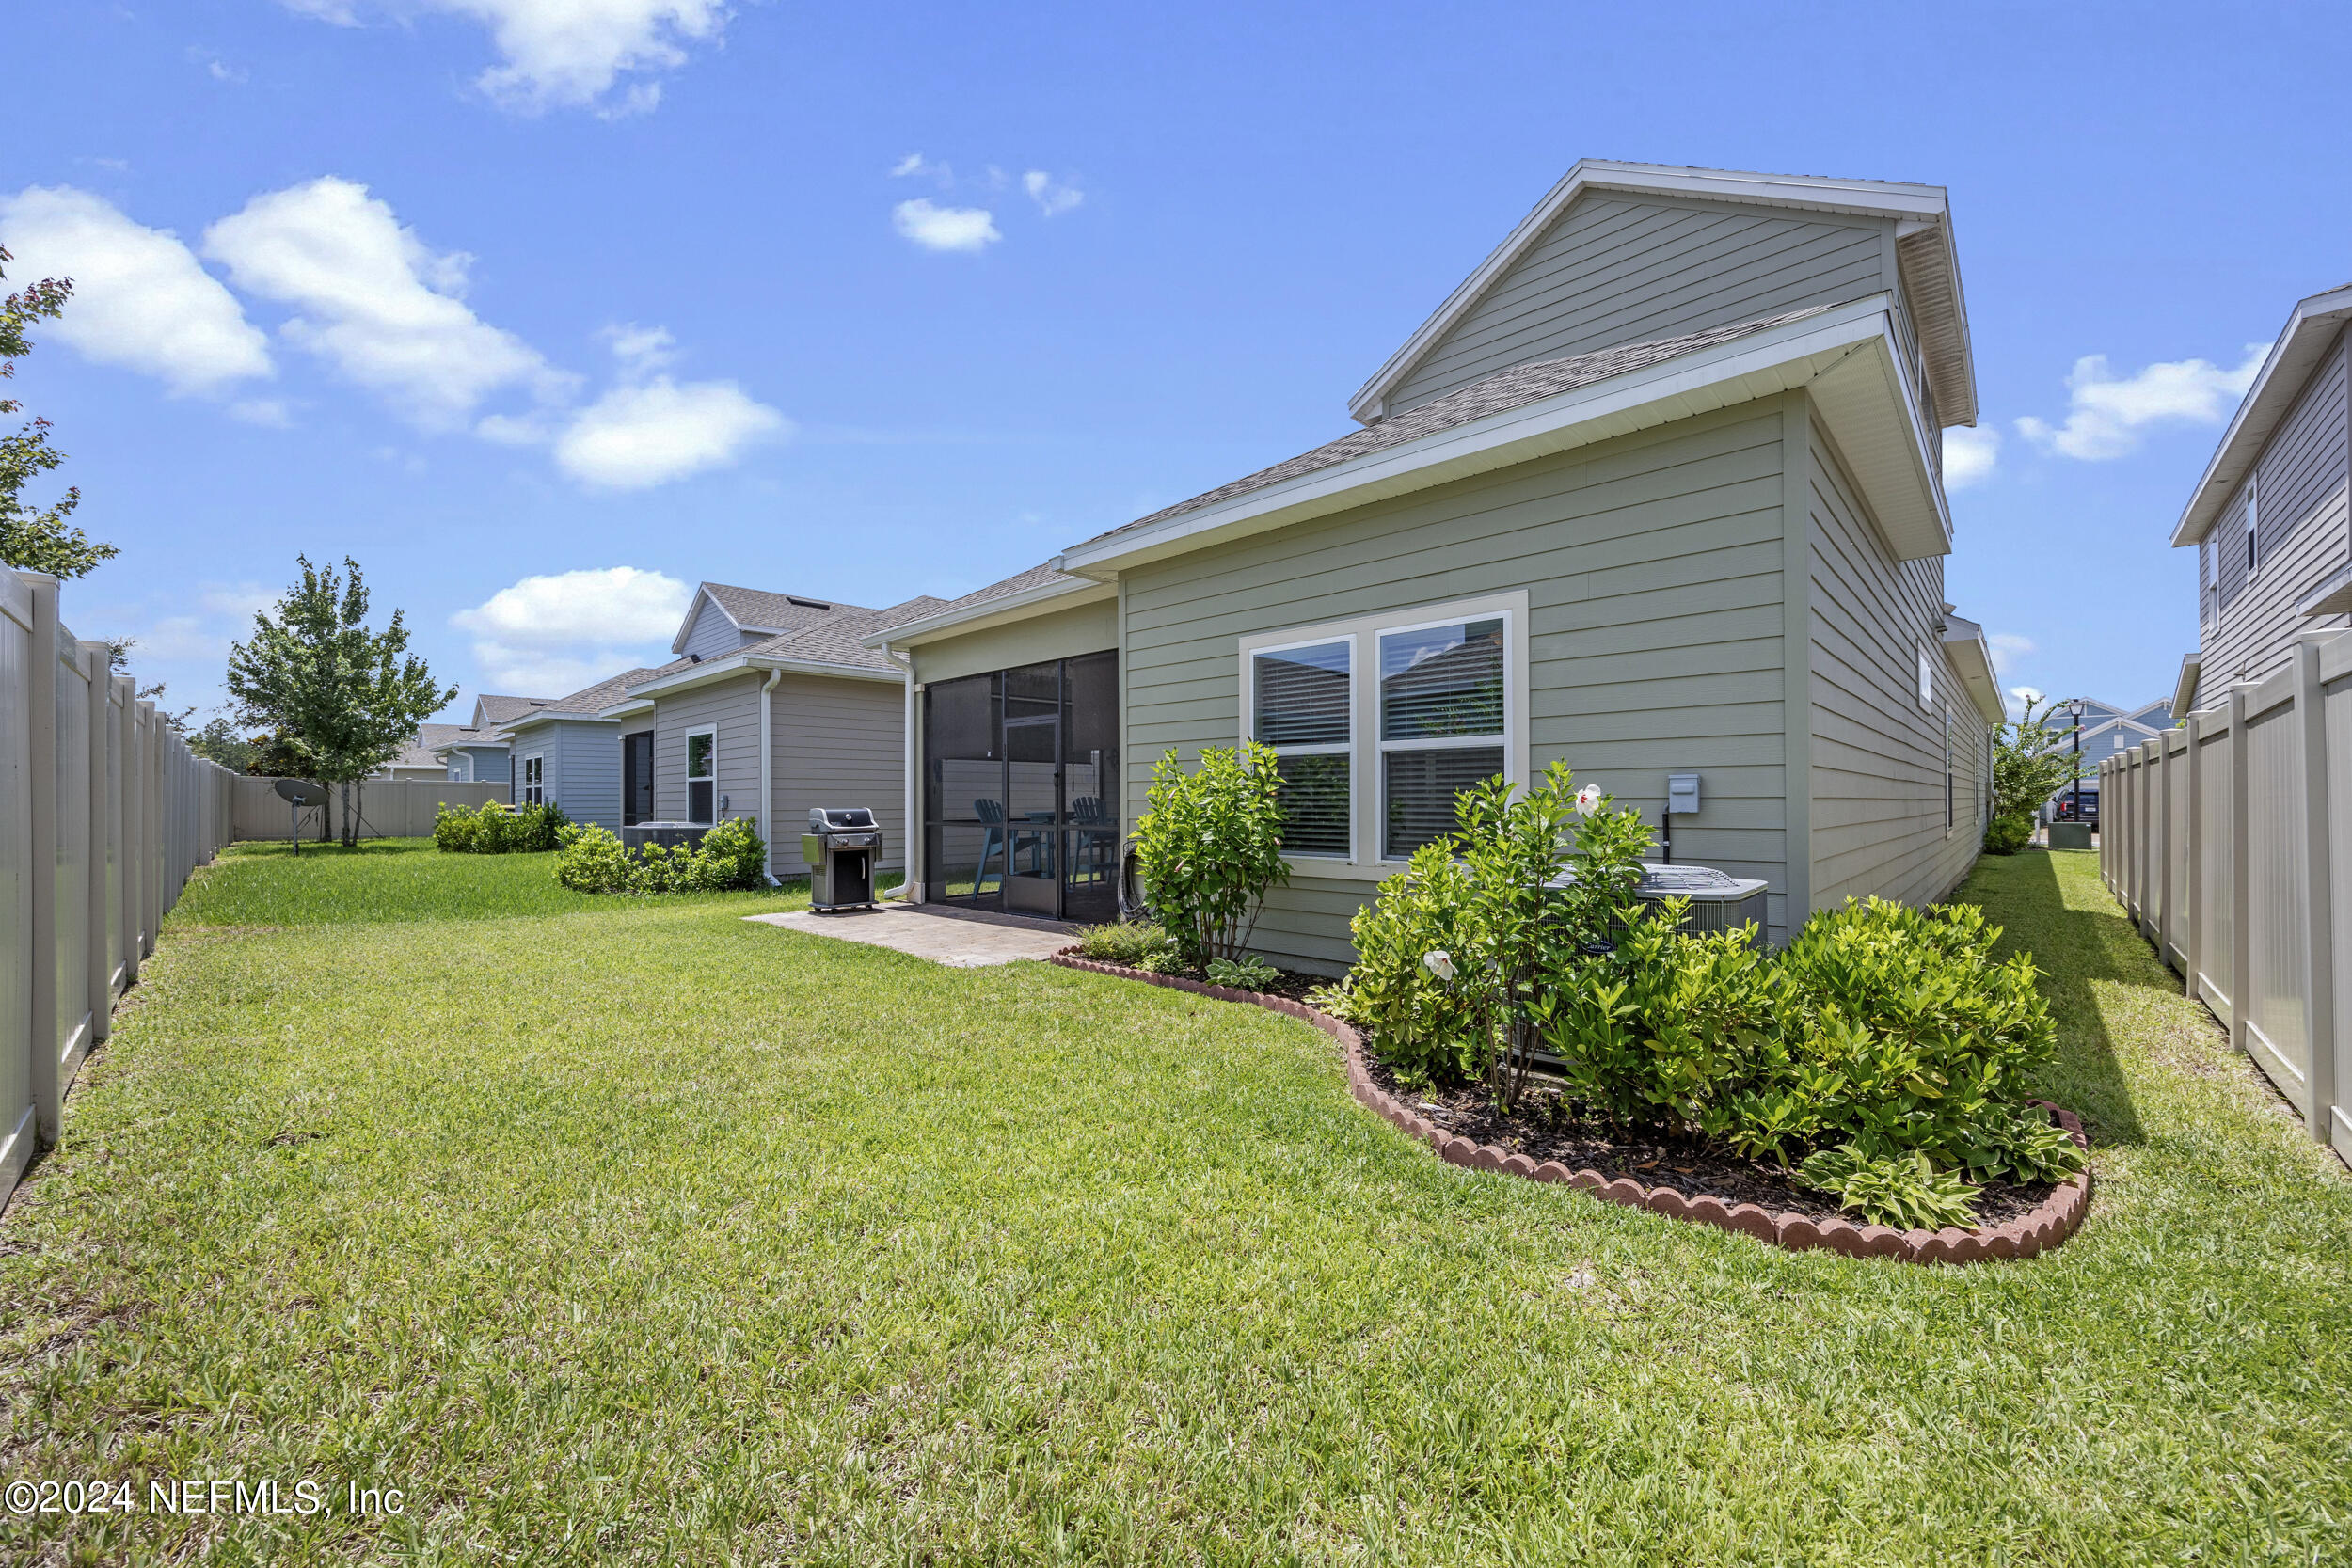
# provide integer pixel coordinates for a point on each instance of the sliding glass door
(1018, 766)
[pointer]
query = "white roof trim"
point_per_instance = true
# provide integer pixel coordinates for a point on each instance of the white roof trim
(1848, 357)
(1913, 208)
(2184, 685)
(1976, 670)
(550, 715)
(1009, 607)
(2311, 328)
(712, 670)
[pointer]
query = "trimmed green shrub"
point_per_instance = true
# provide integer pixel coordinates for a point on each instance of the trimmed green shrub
(594, 861)
(1243, 973)
(1124, 941)
(498, 829)
(2006, 835)
(730, 856)
(1209, 844)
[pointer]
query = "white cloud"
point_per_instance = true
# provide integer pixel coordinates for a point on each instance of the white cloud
(375, 303)
(937, 228)
(271, 413)
(2007, 648)
(915, 165)
(635, 436)
(559, 54)
(1969, 455)
(1051, 196)
(641, 349)
(2108, 412)
(554, 634)
(224, 614)
(141, 300)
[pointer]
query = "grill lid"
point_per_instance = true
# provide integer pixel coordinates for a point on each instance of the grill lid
(823, 819)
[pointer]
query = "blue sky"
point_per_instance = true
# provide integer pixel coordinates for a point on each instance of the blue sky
(868, 302)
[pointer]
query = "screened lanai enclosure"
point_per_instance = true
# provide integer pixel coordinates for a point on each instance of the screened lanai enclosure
(1020, 770)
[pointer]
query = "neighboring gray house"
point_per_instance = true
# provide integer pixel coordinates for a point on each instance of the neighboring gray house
(1659, 489)
(2270, 519)
(477, 751)
(773, 705)
(2107, 729)
(420, 759)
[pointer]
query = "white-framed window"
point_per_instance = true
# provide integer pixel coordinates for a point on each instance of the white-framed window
(1951, 779)
(2252, 551)
(534, 781)
(1927, 681)
(702, 776)
(1377, 722)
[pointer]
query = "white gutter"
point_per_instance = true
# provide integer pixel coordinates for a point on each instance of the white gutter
(767, 787)
(908, 824)
(715, 670)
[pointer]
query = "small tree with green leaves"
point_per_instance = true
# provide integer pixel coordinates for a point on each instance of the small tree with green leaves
(2029, 765)
(35, 540)
(1209, 844)
(316, 671)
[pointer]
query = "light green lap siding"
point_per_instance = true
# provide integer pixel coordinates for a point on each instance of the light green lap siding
(1653, 570)
(1619, 269)
(1877, 779)
(1088, 628)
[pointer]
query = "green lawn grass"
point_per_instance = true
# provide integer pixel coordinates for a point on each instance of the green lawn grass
(402, 879)
(645, 1234)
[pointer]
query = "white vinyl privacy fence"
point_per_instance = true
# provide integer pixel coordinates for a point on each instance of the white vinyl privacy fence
(387, 808)
(2229, 840)
(104, 812)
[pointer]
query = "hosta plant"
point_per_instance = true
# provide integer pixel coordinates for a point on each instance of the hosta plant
(1901, 1190)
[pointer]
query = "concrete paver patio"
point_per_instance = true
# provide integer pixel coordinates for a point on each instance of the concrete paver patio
(958, 938)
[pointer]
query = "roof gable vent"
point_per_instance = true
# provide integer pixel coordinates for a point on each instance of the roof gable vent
(807, 603)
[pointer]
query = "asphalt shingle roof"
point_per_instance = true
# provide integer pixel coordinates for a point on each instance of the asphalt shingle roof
(1512, 387)
(757, 608)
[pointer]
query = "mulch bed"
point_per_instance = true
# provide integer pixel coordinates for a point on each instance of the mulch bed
(1682, 1183)
(1539, 1132)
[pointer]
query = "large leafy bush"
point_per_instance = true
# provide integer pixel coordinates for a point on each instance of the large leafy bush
(1883, 1056)
(2006, 835)
(499, 830)
(730, 856)
(1209, 844)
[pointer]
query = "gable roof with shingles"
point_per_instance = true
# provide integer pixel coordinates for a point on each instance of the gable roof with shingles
(1513, 387)
(1927, 260)
(493, 709)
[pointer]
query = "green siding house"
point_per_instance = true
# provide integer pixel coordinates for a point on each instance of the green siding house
(1658, 490)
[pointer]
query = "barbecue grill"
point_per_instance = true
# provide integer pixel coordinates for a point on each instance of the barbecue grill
(843, 847)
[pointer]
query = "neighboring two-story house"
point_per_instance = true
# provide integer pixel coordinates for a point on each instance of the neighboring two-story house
(2270, 519)
(1657, 490)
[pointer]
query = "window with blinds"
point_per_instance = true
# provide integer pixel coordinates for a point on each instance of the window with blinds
(1301, 704)
(1442, 726)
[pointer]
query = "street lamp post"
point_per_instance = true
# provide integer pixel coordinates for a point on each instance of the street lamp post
(2075, 708)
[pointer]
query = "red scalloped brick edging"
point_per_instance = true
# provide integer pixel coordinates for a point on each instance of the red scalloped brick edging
(2043, 1227)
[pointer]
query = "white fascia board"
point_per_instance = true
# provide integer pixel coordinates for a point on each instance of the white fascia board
(627, 710)
(992, 613)
(740, 664)
(2310, 330)
(549, 715)
(2184, 685)
(1974, 659)
(1865, 198)
(1856, 341)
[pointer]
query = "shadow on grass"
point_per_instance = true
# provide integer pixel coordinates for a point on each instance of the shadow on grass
(263, 848)
(2077, 950)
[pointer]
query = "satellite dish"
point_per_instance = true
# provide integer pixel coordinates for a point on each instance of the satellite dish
(297, 794)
